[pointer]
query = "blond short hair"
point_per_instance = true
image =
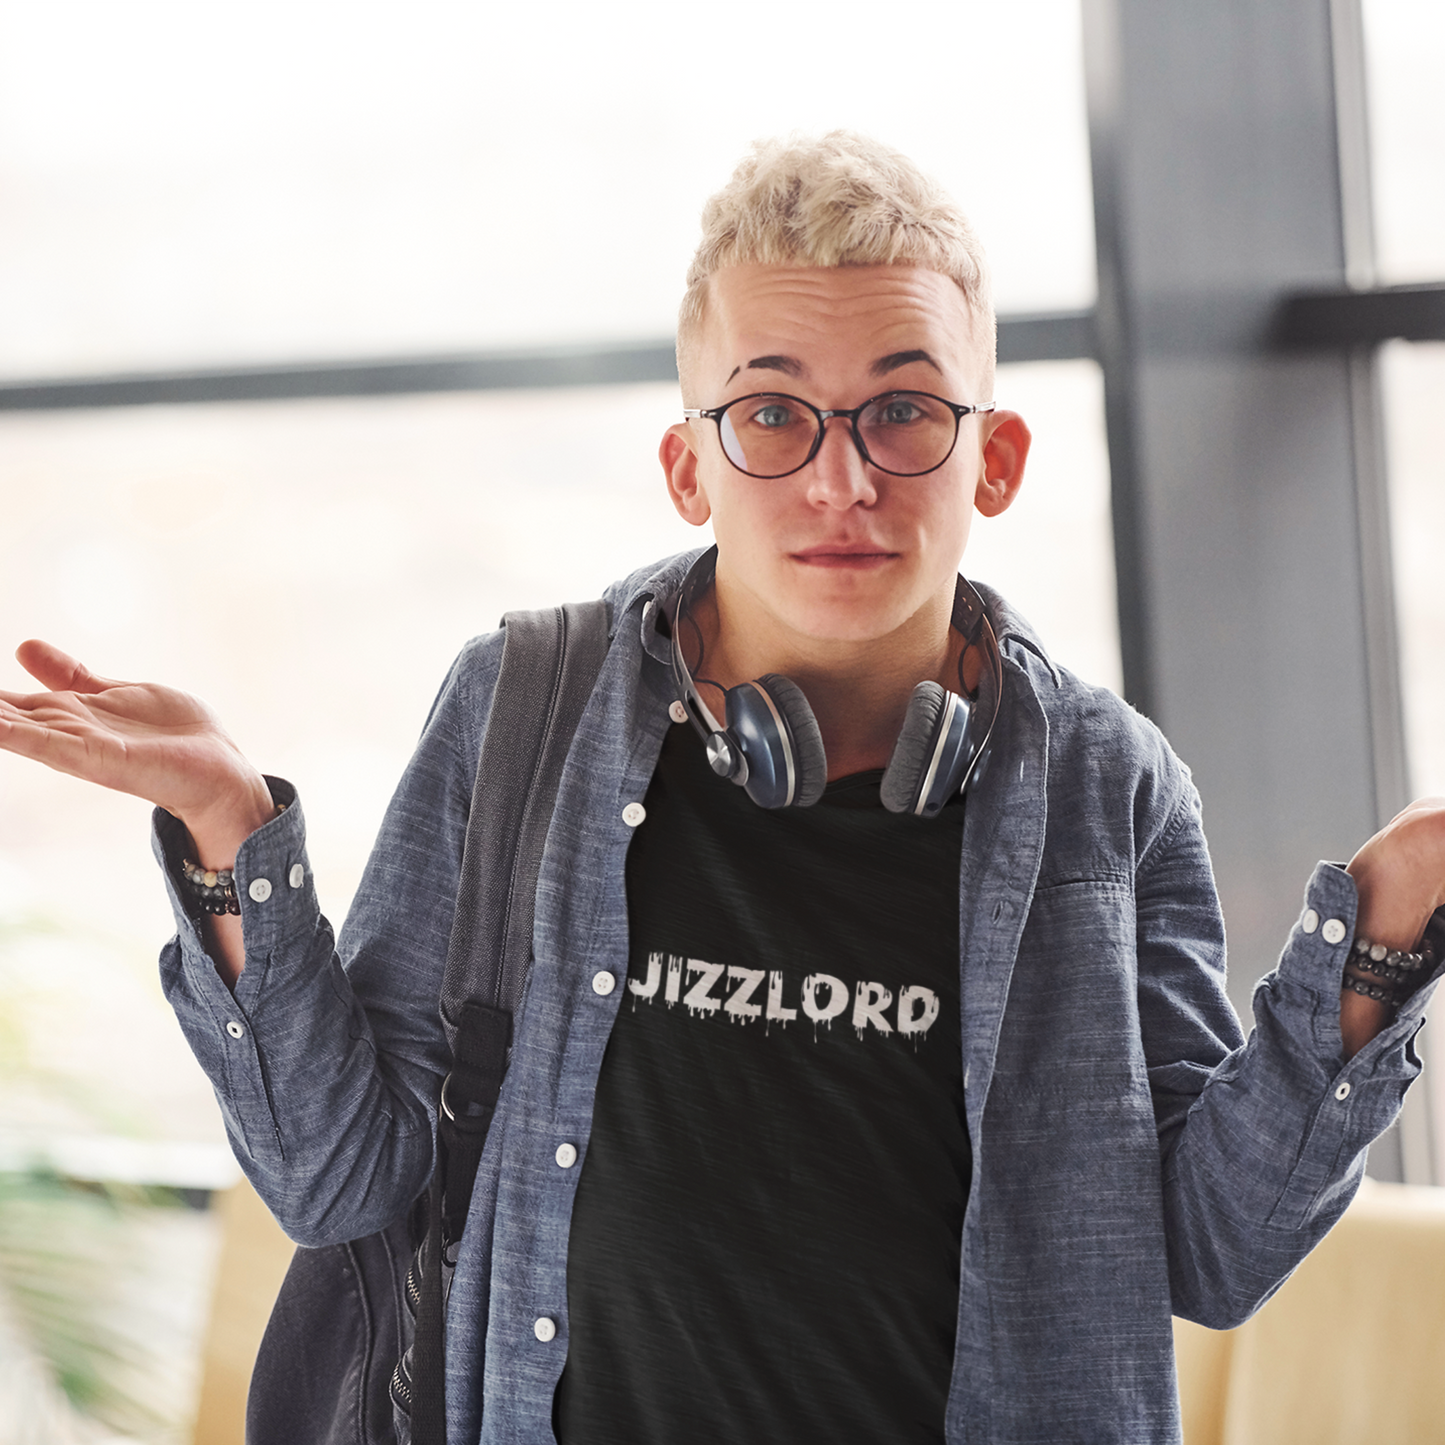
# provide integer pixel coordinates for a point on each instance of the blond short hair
(842, 200)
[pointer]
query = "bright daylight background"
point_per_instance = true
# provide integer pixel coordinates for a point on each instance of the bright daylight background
(216, 183)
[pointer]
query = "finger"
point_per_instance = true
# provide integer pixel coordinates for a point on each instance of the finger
(28, 739)
(58, 670)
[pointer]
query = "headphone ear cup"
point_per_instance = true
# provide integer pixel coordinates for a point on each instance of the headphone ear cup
(810, 763)
(914, 749)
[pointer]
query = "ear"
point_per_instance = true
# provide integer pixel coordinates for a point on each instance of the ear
(679, 460)
(1005, 450)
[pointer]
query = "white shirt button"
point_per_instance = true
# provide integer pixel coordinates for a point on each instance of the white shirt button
(1309, 920)
(677, 712)
(297, 876)
(545, 1329)
(603, 983)
(1343, 1092)
(566, 1155)
(260, 889)
(235, 1030)
(1333, 931)
(633, 814)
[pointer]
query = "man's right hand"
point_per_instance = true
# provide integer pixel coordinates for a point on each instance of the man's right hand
(155, 742)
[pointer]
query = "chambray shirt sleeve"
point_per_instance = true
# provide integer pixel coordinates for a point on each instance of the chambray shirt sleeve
(1263, 1149)
(327, 1061)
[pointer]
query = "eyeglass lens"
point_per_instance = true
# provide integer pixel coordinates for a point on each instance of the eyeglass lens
(905, 432)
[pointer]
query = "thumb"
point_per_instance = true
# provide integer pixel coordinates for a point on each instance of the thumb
(57, 670)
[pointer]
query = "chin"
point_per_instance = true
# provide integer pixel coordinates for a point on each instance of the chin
(863, 622)
(851, 606)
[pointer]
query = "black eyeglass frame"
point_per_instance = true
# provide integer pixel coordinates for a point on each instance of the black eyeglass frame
(715, 414)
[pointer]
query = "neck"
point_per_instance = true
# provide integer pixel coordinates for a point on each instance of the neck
(858, 691)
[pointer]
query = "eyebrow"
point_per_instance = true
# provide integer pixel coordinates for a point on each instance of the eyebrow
(791, 366)
(885, 364)
(787, 364)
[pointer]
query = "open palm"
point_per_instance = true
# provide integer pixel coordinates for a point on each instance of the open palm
(139, 738)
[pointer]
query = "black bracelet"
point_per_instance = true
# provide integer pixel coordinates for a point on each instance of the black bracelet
(1390, 975)
(213, 888)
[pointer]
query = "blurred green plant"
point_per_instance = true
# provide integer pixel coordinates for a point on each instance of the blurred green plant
(64, 1252)
(70, 1252)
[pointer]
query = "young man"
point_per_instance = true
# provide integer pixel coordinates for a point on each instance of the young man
(823, 1122)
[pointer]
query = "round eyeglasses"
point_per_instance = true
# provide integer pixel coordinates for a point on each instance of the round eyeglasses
(904, 433)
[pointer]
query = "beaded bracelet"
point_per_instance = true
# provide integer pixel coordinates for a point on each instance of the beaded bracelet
(214, 889)
(1391, 975)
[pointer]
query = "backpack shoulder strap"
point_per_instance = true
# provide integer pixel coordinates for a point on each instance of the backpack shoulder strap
(550, 662)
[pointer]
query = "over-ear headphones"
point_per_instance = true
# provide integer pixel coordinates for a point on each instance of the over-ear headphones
(769, 743)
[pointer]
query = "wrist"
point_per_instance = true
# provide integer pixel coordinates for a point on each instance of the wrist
(1360, 1020)
(218, 831)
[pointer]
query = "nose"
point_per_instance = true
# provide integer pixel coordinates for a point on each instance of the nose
(838, 476)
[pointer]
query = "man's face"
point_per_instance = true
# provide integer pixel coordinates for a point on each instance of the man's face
(840, 551)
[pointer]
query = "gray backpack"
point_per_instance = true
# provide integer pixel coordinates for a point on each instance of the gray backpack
(352, 1354)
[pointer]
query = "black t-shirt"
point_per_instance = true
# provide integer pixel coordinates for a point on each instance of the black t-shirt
(765, 1240)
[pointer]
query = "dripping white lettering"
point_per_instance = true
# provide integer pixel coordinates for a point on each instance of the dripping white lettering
(648, 987)
(747, 980)
(741, 996)
(778, 1012)
(699, 996)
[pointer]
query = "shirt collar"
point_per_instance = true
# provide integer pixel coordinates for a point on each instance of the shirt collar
(652, 592)
(1009, 625)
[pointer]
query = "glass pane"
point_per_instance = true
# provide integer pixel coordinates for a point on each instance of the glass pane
(311, 569)
(1405, 55)
(1413, 377)
(209, 184)
(1413, 381)
(1052, 553)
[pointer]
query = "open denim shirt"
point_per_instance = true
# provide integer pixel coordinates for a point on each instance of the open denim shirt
(1132, 1155)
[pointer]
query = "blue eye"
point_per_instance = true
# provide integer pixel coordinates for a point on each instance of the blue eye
(898, 411)
(774, 414)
